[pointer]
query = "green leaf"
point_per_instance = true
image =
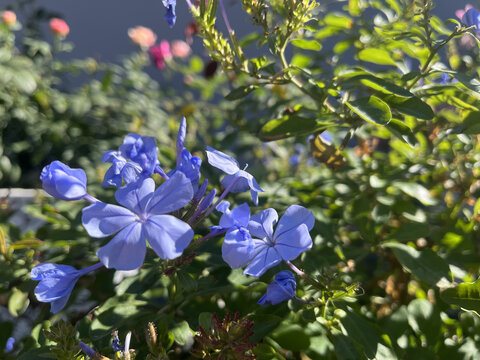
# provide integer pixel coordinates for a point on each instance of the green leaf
(465, 295)
(416, 191)
(24, 80)
(26, 243)
(381, 85)
(402, 131)
(292, 337)
(307, 44)
(240, 92)
(18, 302)
(424, 319)
(411, 106)
(376, 56)
(345, 348)
(264, 325)
(425, 265)
(291, 125)
(472, 123)
(182, 332)
(361, 331)
(410, 232)
(371, 109)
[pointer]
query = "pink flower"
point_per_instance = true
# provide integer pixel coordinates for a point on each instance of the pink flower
(180, 49)
(59, 27)
(460, 12)
(142, 36)
(9, 17)
(160, 53)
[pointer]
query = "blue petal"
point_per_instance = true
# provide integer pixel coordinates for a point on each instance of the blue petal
(240, 185)
(293, 242)
(54, 288)
(100, 219)
(170, 16)
(63, 182)
(182, 132)
(131, 172)
(281, 289)
(222, 161)
(46, 270)
(168, 236)
(264, 259)
(136, 196)
(472, 17)
(223, 206)
(261, 224)
(293, 217)
(207, 200)
(59, 304)
(237, 217)
(112, 177)
(172, 195)
(237, 248)
(126, 251)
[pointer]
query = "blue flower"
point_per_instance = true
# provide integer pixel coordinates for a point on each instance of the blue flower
(135, 159)
(238, 244)
(87, 349)
(57, 282)
(186, 163)
(121, 169)
(142, 218)
(190, 166)
(170, 16)
(290, 239)
(236, 180)
(472, 18)
(10, 344)
(281, 289)
(63, 182)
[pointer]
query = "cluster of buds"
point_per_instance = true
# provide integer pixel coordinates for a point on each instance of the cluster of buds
(227, 339)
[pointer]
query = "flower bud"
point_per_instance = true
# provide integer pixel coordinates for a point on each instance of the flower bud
(281, 289)
(142, 36)
(180, 49)
(59, 27)
(160, 53)
(472, 18)
(9, 17)
(63, 182)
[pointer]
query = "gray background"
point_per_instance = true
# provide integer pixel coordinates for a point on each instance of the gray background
(98, 28)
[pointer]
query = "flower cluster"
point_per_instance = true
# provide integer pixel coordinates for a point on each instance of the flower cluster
(165, 217)
(145, 38)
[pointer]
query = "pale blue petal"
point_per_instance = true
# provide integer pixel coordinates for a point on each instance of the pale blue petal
(45, 270)
(237, 248)
(54, 288)
(254, 194)
(172, 195)
(126, 251)
(100, 219)
(237, 217)
(182, 132)
(136, 196)
(293, 217)
(59, 304)
(167, 235)
(222, 161)
(240, 185)
(131, 172)
(292, 243)
(263, 260)
(223, 206)
(261, 224)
